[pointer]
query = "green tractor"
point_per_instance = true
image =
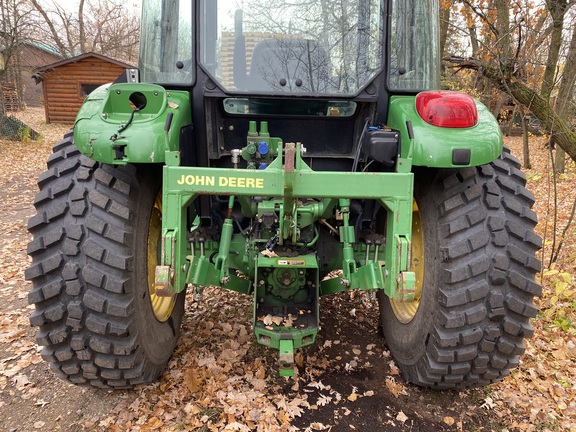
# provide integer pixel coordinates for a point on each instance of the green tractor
(286, 150)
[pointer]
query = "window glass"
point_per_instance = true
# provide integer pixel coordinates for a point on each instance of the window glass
(86, 89)
(166, 41)
(298, 46)
(414, 59)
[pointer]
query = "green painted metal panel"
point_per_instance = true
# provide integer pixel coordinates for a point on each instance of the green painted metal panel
(98, 128)
(392, 190)
(270, 182)
(433, 146)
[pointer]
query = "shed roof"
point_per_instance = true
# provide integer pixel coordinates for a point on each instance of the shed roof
(35, 44)
(38, 73)
(45, 47)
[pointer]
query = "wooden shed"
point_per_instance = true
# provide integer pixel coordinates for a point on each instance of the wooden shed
(66, 83)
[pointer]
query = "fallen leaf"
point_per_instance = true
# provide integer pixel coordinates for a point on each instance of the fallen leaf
(393, 368)
(21, 381)
(277, 320)
(268, 253)
(154, 423)
(488, 403)
(318, 426)
(299, 358)
(395, 388)
(260, 373)
(227, 328)
(193, 381)
(235, 426)
(317, 385)
(323, 400)
(401, 417)
(289, 321)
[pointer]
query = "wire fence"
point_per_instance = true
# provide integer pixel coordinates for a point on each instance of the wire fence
(15, 130)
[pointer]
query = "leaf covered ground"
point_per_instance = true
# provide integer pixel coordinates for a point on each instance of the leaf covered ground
(220, 379)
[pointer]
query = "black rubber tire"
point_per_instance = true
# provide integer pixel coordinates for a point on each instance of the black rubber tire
(479, 278)
(89, 273)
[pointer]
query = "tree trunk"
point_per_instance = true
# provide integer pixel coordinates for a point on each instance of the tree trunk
(564, 100)
(445, 10)
(81, 28)
(560, 160)
(503, 43)
(511, 119)
(498, 105)
(472, 30)
(557, 9)
(525, 141)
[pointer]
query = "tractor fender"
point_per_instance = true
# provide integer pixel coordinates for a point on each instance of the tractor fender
(441, 147)
(131, 123)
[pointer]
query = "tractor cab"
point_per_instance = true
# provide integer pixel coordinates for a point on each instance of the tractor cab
(315, 72)
(324, 49)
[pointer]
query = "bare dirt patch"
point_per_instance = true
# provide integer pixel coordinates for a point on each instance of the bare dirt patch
(220, 379)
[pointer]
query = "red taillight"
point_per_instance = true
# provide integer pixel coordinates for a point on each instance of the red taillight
(447, 109)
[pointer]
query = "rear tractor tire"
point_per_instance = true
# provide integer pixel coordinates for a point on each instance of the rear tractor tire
(473, 253)
(94, 249)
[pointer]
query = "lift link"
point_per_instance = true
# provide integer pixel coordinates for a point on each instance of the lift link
(164, 274)
(288, 208)
(224, 250)
(347, 238)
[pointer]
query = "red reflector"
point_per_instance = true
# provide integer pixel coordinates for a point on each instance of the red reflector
(447, 109)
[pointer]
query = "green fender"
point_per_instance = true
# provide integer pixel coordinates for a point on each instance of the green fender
(434, 146)
(109, 108)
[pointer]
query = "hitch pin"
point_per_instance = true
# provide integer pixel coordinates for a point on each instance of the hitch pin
(367, 251)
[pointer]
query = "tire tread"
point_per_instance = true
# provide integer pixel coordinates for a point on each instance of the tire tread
(83, 235)
(487, 279)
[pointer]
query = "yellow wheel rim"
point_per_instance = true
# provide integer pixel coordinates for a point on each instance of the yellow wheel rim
(161, 306)
(406, 311)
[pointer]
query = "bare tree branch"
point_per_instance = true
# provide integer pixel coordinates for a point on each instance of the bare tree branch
(51, 26)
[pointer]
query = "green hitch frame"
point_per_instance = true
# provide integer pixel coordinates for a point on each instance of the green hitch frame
(182, 185)
(287, 181)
